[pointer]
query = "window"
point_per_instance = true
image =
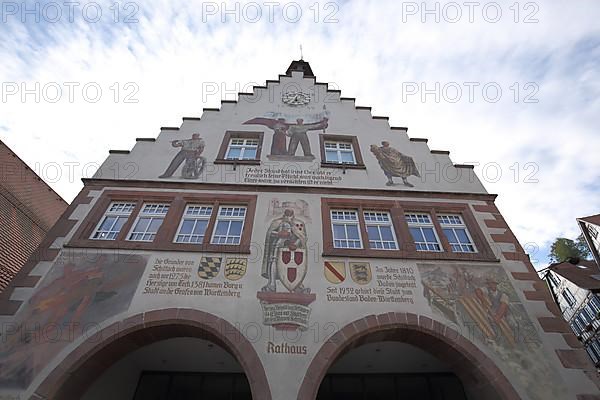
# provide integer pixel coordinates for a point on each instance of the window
(595, 346)
(594, 304)
(423, 232)
(358, 227)
(587, 316)
(380, 230)
(555, 281)
(114, 218)
(339, 152)
(580, 324)
(346, 229)
(457, 234)
(229, 225)
(148, 221)
(592, 354)
(568, 296)
(193, 224)
(593, 231)
(242, 149)
(575, 327)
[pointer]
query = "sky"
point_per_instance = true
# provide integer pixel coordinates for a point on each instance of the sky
(512, 87)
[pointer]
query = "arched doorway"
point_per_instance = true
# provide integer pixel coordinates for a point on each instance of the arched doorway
(388, 371)
(461, 363)
(160, 339)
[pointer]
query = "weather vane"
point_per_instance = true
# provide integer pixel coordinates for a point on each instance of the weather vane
(301, 57)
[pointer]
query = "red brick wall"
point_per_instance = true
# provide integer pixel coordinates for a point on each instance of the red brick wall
(28, 209)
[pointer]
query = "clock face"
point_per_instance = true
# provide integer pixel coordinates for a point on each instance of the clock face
(295, 98)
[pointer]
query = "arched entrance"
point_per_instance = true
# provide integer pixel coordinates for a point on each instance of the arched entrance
(479, 377)
(158, 330)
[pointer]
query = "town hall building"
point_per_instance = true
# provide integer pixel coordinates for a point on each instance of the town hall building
(289, 245)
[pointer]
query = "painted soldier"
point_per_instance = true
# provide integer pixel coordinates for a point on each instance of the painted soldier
(286, 233)
(393, 163)
(190, 152)
(298, 135)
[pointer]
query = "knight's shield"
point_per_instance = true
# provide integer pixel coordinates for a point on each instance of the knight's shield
(291, 267)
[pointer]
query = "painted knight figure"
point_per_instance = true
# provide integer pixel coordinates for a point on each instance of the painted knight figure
(285, 254)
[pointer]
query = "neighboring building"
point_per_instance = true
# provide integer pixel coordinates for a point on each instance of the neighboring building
(28, 209)
(288, 245)
(575, 286)
(590, 226)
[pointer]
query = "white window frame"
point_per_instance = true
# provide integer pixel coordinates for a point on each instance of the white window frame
(145, 213)
(245, 143)
(188, 214)
(381, 218)
(345, 222)
(116, 209)
(420, 221)
(449, 221)
(339, 150)
(229, 218)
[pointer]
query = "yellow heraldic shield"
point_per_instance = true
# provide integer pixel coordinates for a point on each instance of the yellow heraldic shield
(235, 268)
(335, 271)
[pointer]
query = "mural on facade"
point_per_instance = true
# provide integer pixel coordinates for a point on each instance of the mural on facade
(291, 131)
(284, 298)
(485, 308)
(190, 156)
(299, 206)
(77, 294)
(394, 164)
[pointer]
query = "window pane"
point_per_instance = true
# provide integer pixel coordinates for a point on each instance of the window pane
(347, 157)
(250, 153)
(339, 232)
(462, 236)
(155, 224)
(429, 235)
(386, 233)
(234, 153)
(107, 223)
(141, 225)
(353, 232)
(119, 224)
(187, 226)
(416, 234)
(221, 228)
(373, 233)
(331, 156)
(200, 228)
(235, 228)
(450, 235)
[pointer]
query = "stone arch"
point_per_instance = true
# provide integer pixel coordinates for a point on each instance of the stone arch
(84, 364)
(481, 378)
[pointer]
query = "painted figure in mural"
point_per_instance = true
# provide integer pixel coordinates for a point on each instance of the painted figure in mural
(495, 303)
(297, 132)
(285, 254)
(190, 153)
(280, 133)
(393, 163)
(298, 135)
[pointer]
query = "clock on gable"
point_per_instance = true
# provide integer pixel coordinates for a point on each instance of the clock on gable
(295, 98)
